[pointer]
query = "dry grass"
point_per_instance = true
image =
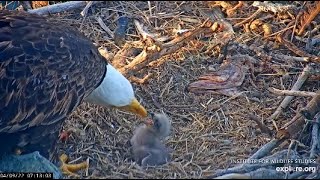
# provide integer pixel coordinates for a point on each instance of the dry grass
(210, 132)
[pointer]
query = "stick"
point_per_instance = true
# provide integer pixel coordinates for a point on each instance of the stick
(140, 80)
(261, 125)
(249, 18)
(26, 5)
(315, 136)
(158, 50)
(166, 87)
(291, 92)
(233, 176)
(283, 57)
(302, 78)
(312, 108)
(292, 47)
(274, 7)
(56, 8)
(265, 149)
(292, 128)
(262, 173)
(105, 27)
(143, 32)
(297, 174)
(85, 10)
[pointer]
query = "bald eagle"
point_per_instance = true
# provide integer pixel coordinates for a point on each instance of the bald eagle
(46, 70)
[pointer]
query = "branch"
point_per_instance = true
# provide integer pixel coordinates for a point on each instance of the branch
(302, 78)
(312, 108)
(291, 92)
(275, 8)
(292, 47)
(85, 10)
(104, 27)
(285, 58)
(294, 127)
(60, 7)
(262, 173)
(267, 148)
(315, 136)
(249, 18)
(261, 125)
(157, 50)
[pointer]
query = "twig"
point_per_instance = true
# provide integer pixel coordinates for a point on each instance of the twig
(292, 47)
(143, 32)
(166, 87)
(274, 7)
(265, 149)
(87, 169)
(312, 108)
(231, 10)
(56, 8)
(292, 128)
(105, 27)
(85, 10)
(262, 126)
(296, 175)
(278, 32)
(314, 175)
(104, 52)
(283, 57)
(234, 176)
(296, 21)
(302, 78)
(84, 13)
(291, 92)
(259, 51)
(315, 136)
(157, 50)
(249, 18)
(262, 173)
(159, 106)
(139, 80)
(26, 5)
(150, 9)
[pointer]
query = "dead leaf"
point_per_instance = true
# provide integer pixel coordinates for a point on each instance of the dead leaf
(311, 12)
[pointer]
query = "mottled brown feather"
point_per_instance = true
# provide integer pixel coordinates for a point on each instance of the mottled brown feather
(46, 69)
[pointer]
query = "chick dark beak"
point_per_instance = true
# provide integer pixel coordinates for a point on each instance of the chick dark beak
(151, 114)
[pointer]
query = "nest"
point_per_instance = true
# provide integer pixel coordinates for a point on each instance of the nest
(211, 132)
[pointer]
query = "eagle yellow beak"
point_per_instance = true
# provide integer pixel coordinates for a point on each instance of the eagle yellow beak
(136, 108)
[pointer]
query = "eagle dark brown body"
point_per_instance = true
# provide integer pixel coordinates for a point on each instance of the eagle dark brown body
(46, 69)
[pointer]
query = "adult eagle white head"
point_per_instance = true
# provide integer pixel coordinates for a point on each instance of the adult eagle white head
(116, 91)
(47, 69)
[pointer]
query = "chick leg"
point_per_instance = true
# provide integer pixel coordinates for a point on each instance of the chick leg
(70, 169)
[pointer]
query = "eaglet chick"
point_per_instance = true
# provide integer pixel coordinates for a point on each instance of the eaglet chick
(147, 148)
